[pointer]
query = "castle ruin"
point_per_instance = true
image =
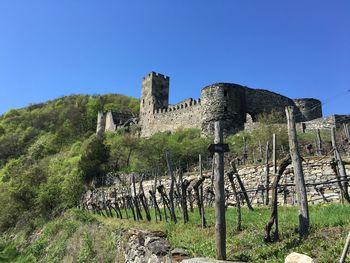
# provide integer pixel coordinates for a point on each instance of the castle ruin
(233, 104)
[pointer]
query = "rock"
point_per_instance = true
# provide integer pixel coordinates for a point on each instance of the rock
(159, 247)
(179, 252)
(328, 171)
(150, 247)
(298, 258)
(150, 239)
(206, 260)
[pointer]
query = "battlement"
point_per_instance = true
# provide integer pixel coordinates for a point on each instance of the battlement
(153, 74)
(186, 104)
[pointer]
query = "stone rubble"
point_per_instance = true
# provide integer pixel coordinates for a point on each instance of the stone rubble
(151, 247)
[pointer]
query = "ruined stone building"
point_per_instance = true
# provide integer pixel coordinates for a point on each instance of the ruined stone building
(235, 105)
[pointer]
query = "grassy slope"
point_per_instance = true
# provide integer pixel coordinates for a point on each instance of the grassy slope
(83, 237)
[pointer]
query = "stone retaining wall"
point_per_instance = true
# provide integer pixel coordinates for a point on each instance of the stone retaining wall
(316, 170)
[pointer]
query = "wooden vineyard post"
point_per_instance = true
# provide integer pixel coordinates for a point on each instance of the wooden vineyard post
(282, 149)
(341, 168)
(136, 201)
(267, 174)
(298, 173)
(203, 223)
(155, 198)
(143, 199)
(260, 152)
(244, 150)
(241, 185)
(345, 250)
(218, 148)
(318, 142)
(274, 157)
(171, 192)
(346, 131)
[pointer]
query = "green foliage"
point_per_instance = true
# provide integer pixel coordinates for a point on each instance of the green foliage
(47, 153)
(258, 138)
(74, 237)
(87, 254)
(272, 117)
(2, 130)
(95, 156)
(131, 153)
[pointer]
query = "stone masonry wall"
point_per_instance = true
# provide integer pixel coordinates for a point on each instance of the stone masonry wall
(316, 170)
(175, 117)
(325, 122)
(227, 102)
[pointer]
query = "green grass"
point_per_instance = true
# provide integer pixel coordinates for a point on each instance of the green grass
(80, 236)
(329, 227)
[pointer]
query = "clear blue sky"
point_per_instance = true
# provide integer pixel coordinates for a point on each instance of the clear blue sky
(51, 48)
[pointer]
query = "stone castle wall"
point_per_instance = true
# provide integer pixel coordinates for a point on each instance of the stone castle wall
(259, 101)
(325, 122)
(227, 102)
(309, 109)
(182, 115)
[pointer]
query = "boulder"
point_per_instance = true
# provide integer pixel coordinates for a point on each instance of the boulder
(206, 260)
(298, 258)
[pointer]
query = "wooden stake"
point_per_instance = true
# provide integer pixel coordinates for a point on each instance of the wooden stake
(260, 152)
(298, 174)
(267, 174)
(341, 167)
(346, 131)
(219, 185)
(318, 142)
(171, 192)
(203, 223)
(345, 250)
(274, 157)
(238, 202)
(241, 185)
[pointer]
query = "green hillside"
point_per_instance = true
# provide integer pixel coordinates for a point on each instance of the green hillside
(49, 154)
(40, 148)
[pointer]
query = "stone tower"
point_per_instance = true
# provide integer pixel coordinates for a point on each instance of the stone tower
(101, 123)
(154, 96)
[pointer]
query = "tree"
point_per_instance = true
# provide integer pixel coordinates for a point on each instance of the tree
(94, 159)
